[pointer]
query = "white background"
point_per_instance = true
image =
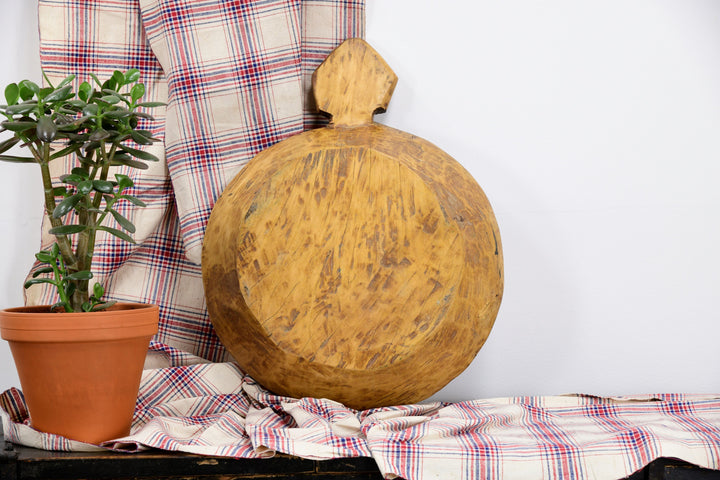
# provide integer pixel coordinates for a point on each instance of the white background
(594, 129)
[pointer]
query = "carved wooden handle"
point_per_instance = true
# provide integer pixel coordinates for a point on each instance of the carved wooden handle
(353, 84)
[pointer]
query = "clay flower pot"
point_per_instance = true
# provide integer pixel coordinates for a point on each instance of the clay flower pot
(80, 372)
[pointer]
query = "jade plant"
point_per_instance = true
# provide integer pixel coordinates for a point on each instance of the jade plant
(99, 125)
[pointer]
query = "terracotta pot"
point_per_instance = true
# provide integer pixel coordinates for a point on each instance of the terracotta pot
(80, 372)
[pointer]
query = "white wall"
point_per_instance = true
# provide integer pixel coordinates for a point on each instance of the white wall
(20, 205)
(594, 129)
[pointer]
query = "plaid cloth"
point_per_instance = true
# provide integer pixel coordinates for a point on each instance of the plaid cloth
(213, 409)
(235, 77)
(235, 73)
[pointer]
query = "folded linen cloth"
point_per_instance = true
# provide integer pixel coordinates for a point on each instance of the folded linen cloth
(214, 409)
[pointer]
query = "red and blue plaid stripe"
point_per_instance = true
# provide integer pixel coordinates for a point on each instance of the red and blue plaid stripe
(214, 409)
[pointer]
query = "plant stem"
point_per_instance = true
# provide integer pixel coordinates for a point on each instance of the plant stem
(89, 217)
(62, 240)
(60, 286)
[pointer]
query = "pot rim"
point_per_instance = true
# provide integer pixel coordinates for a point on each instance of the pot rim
(38, 324)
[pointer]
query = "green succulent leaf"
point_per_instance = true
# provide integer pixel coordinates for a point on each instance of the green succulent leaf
(132, 76)
(81, 275)
(148, 134)
(85, 159)
(84, 91)
(116, 94)
(8, 144)
(19, 126)
(46, 129)
(109, 91)
(42, 271)
(78, 104)
(21, 108)
(98, 290)
(137, 91)
(123, 181)
(12, 94)
(96, 79)
(119, 78)
(130, 163)
(65, 110)
(74, 106)
(72, 179)
(142, 137)
(80, 172)
(103, 186)
(28, 89)
(90, 148)
(66, 81)
(121, 157)
(99, 134)
(103, 306)
(73, 126)
(66, 205)
(111, 128)
(141, 154)
(110, 83)
(134, 200)
(119, 113)
(35, 281)
(85, 187)
(101, 103)
(58, 305)
(144, 115)
(64, 116)
(47, 79)
(110, 99)
(123, 221)
(118, 233)
(91, 110)
(14, 159)
(59, 94)
(68, 229)
(65, 151)
(151, 104)
(44, 92)
(45, 257)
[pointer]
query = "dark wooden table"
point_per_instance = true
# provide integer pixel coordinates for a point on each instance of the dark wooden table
(24, 463)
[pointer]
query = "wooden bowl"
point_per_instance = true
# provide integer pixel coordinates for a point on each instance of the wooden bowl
(354, 262)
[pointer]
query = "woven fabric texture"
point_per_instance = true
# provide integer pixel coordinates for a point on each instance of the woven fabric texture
(214, 409)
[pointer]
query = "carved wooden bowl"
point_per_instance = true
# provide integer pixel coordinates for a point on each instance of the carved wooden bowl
(354, 262)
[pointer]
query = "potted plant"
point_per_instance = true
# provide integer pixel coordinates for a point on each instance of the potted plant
(80, 360)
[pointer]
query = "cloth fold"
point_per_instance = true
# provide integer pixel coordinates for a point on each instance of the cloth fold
(214, 409)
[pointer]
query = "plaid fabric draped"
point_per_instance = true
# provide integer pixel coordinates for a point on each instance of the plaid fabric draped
(213, 409)
(235, 77)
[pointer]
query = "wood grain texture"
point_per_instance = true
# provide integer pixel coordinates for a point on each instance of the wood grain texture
(354, 262)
